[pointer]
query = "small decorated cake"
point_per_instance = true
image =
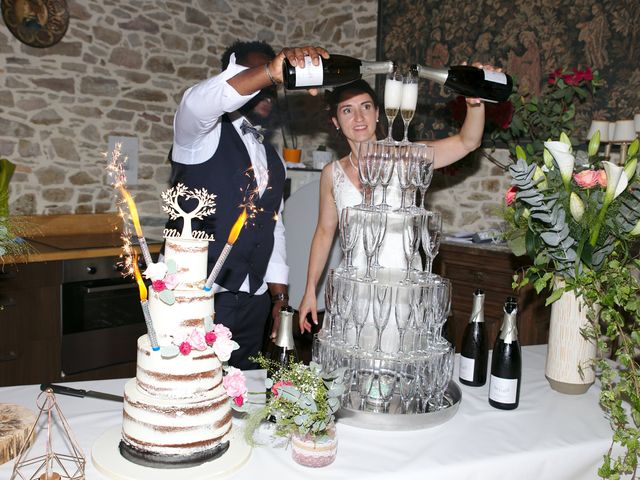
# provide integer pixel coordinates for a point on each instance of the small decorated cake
(177, 410)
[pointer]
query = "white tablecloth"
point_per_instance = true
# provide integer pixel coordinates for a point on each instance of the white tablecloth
(549, 436)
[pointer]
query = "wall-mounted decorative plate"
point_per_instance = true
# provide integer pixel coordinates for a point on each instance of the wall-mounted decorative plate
(38, 23)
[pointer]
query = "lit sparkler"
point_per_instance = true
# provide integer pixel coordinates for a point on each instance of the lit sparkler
(233, 236)
(151, 332)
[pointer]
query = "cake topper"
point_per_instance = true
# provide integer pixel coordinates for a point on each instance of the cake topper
(206, 206)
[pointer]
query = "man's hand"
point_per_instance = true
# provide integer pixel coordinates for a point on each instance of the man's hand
(296, 56)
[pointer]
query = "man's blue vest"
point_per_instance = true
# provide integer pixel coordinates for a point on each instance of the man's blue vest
(228, 175)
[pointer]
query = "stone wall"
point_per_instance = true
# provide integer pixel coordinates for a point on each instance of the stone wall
(121, 70)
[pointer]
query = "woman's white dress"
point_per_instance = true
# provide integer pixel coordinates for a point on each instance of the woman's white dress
(391, 252)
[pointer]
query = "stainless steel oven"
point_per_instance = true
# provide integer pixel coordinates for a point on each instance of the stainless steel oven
(101, 315)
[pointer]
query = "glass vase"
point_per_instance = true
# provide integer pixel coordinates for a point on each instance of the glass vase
(315, 451)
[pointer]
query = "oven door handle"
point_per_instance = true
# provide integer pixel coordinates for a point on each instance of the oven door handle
(109, 288)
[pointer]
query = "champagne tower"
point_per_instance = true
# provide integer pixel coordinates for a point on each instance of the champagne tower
(384, 309)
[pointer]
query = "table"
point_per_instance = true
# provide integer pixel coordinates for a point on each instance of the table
(549, 436)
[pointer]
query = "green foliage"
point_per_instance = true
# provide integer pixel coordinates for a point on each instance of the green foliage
(590, 237)
(537, 119)
(302, 398)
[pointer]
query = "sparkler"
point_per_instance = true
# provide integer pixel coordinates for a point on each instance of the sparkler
(153, 339)
(233, 236)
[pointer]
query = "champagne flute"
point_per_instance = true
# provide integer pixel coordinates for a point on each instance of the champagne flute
(425, 172)
(366, 150)
(409, 101)
(374, 223)
(392, 100)
(402, 314)
(403, 169)
(387, 163)
(362, 301)
(349, 232)
(431, 234)
(381, 310)
(412, 225)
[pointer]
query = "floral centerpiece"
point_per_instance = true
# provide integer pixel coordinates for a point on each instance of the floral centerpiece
(577, 216)
(301, 400)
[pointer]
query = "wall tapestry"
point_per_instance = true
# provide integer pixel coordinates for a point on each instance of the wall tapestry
(528, 39)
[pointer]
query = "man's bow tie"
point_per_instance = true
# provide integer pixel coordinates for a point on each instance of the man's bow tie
(246, 127)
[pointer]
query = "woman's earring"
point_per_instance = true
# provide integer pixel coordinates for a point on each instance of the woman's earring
(377, 120)
(337, 128)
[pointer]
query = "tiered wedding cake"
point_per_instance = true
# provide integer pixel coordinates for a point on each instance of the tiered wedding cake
(177, 412)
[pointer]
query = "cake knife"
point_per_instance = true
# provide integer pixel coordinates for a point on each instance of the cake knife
(76, 392)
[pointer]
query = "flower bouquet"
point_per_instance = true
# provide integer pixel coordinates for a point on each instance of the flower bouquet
(301, 400)
(578, 219)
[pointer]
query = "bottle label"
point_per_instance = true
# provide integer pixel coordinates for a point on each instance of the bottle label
(311, 75)
(503, 390)
(467, 365)
(491, 76)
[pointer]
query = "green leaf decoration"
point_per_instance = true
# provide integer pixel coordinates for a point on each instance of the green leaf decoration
(169, 351)
(171, 266)
(167, 296)
(208, 323)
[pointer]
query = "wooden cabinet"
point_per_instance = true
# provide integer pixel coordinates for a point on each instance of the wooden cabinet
(30, 322)
(490, 268)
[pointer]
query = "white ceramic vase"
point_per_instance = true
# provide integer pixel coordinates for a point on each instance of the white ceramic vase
(569, 367)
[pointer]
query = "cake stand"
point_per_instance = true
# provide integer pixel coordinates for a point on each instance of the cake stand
(108, 461)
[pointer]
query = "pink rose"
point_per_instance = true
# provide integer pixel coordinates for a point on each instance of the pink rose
(158, 285)
(234, 383)
(239, 401)
(510, 195)
(279, 384)
(210, 337)
(221, 331)
(602, 178)
(587, 178)
(196, 340)
(185, 348)
(171, 281)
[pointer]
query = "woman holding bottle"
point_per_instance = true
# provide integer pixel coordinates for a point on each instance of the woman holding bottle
(354, 113)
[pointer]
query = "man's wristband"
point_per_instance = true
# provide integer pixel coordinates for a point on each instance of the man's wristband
(280, 297)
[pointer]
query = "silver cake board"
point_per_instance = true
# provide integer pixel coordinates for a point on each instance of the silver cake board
(108, 461)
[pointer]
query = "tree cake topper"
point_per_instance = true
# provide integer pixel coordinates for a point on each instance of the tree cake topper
(206, 206)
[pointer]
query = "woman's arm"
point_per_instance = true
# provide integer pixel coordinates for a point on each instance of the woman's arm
(320, 247)
(455, 147)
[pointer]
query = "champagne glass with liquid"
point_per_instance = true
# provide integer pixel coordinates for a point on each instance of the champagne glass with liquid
(392, 99)
(409, 101)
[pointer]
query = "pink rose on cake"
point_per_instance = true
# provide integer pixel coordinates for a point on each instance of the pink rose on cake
(221, 331)
(235, 385)
(164, 279)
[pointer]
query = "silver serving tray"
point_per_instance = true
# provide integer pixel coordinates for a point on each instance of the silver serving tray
(394, 419)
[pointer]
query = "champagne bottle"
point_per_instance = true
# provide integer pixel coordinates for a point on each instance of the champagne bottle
(470, 81)
(474, 353)
(283, 349)
(506, 362)
(331, 72)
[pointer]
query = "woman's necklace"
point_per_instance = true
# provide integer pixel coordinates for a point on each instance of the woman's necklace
(351, 162)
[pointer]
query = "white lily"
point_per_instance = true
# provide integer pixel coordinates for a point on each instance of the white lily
(616, 181)
(565, 160)
(576, 206)
(635, 230)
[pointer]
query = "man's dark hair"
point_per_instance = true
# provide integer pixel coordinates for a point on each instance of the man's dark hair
(243, 49)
